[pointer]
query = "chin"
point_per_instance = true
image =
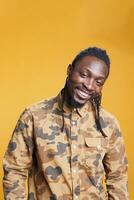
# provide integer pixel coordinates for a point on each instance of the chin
(77, 103)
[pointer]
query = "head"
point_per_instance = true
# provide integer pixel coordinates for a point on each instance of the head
(86, 76)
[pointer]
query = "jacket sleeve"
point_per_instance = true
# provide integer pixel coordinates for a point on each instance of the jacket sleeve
(18, 159)
(116, 165)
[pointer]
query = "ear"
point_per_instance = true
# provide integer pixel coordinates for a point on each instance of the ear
(69, 69)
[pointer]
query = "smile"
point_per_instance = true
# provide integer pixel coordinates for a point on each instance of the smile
(83, 94)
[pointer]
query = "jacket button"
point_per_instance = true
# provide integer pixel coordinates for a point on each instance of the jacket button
(74, 170)
(74, 146)
(99, 147)
(73, 123)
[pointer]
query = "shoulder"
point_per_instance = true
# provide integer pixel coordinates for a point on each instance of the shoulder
(108, 116)
(45, 104)
(110, 120)
(40, 108)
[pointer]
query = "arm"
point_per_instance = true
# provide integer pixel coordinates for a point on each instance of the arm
(18, 159)
(116, 165)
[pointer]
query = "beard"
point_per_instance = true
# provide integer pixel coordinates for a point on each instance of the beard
(71, 101)
(75, 104)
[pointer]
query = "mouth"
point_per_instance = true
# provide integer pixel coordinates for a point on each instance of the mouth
(83, 94)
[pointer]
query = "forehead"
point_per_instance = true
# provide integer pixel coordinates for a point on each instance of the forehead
(92, 64)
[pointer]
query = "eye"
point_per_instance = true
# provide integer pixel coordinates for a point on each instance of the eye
(99, 83)
(83, 75)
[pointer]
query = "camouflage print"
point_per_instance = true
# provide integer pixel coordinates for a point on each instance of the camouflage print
(78, 163)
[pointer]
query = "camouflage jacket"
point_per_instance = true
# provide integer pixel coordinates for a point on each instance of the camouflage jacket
(78, 163)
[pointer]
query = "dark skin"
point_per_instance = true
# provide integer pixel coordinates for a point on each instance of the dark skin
(85, 80)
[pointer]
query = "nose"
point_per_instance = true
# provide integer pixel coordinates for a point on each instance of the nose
(89, 84)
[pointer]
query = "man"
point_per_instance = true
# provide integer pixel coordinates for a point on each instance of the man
(68, 146)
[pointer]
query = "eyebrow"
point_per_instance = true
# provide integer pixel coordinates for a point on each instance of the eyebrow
(99, 77)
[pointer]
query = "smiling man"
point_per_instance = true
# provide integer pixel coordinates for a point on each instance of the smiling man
(68, 146)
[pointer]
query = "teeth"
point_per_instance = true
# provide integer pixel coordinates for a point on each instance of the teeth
(83, 94)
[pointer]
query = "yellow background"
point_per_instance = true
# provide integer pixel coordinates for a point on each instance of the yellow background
(38, 39)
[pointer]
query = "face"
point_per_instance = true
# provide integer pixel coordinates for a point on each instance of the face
(85, 80)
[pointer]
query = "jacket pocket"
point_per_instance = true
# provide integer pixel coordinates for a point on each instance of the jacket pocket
(91, 161)
(95, 149)
(93, 154)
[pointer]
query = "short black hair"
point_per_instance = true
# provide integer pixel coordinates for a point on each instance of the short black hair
(93, 51)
